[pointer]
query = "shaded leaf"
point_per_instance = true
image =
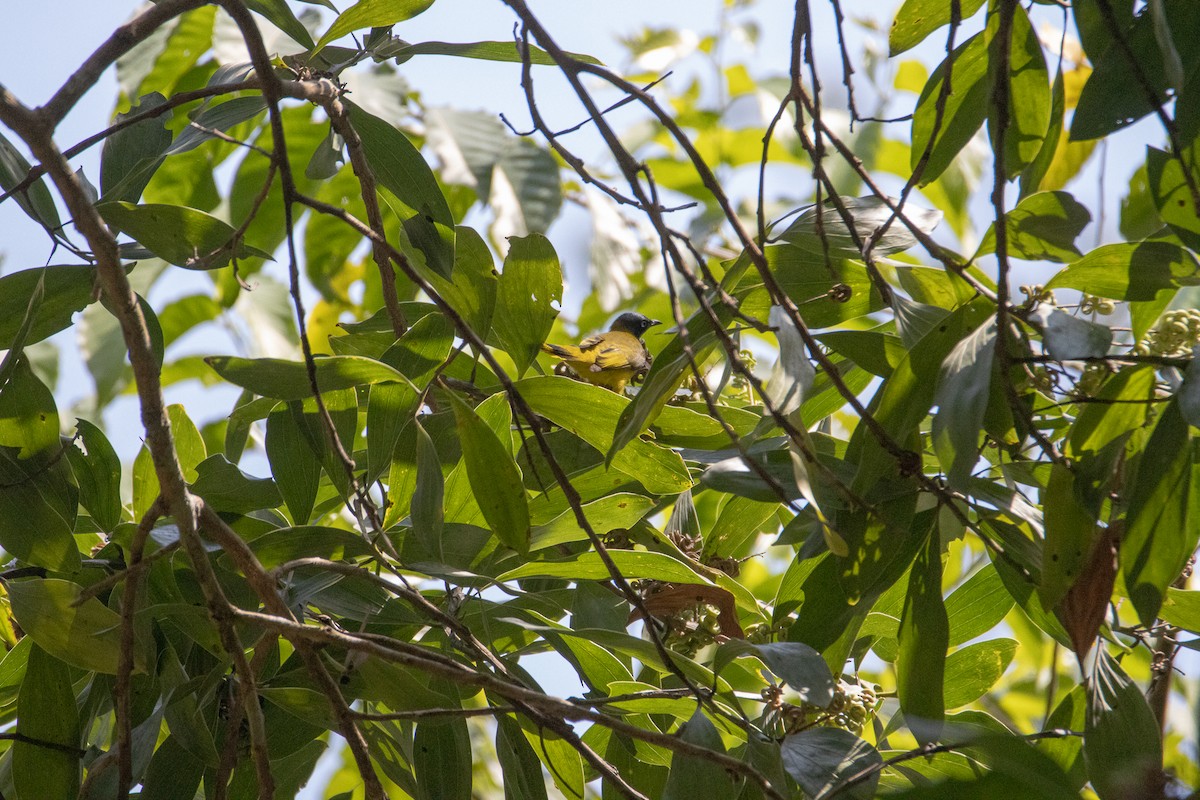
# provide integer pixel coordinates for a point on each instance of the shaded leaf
(46, 712)
(924, 636)
(98, 471)
(962, 396)
(226, 488)
(131, 155)
(1130, 271)
(398, 166)
(1068, 337)
(36, 201)
(494, 476)
(1121, 742)
(820, 759)
(293, 462)
(1161, 530)
(85, 635)
(442, 760)
(66, 290)
(1043, 227)
(488, 51)
(288, 380)
(692, 776)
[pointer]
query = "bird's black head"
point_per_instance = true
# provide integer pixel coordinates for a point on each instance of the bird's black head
(633, 322)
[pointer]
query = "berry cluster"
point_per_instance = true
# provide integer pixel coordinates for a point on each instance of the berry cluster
(853, 706)
(1091, 304)
(1176, 333)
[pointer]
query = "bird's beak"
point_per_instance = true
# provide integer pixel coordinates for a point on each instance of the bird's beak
(654, 322)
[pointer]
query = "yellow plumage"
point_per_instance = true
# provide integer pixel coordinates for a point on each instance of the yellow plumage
(611, 359)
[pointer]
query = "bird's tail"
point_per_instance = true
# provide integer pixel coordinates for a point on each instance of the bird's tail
(560, 351)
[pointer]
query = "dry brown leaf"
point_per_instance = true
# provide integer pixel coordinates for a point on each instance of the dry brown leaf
(677, 598)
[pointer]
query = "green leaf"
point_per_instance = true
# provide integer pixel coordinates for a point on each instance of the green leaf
(293, 462)
(390, 407)
(288, 380)
(1043, 227)
(924, 636)
(1172, 197)
(37, 515)
(1028, 113)
(518, 762)
(805, 278)
(494, 476)
(1035, 174)
(692, 776)
(1130, 271)
(226, 488)
(428, 509)
(1107, 103)
(605, 514)
(173, 772)
(905, 398)
(442, 760)
(66, 290)
(1121, 407)
(181, 236)
(279, 15)
(666, 374)
(977, 606)
(371, 14)
(917, 19)
(1122, 746)
(398, 167)
(97, 468)
(972, 670)
(530, 287)
(591, 413)
(36, 201)
(220, 117)
(471, 290)
(962, 398)
(589, 567)
(1161, 530)
(189, 450)
(28, 416)
(131, 155)
(487, 51)
(86, 635)
(1070, 532)
(46, 712)
(964, 110)
(422, 349)
(820, 759)
(867, 214)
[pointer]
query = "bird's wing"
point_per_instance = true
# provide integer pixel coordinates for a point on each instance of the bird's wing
(620, 353)
(594, 340)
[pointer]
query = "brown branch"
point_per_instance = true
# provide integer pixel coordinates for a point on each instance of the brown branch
(123, 39)
(339, 118)
(121, 685)
(423, 659)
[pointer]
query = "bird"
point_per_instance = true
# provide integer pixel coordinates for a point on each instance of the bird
(609, 359)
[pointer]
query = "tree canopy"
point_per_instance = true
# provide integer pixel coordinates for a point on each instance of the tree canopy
(901, 508)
